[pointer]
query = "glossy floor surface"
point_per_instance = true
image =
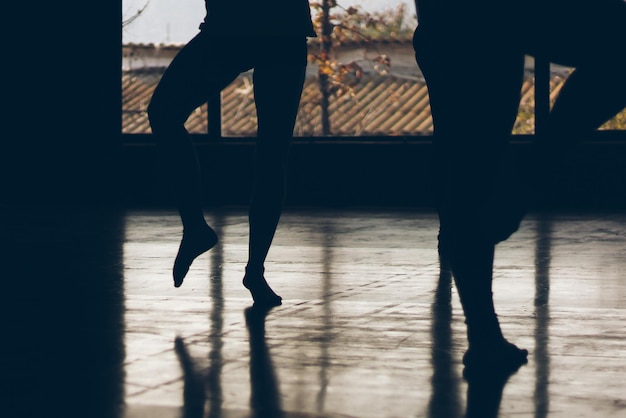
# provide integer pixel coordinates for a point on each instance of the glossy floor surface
(369, 326)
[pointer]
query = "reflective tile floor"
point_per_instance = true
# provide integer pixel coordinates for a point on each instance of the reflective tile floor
(369, 326)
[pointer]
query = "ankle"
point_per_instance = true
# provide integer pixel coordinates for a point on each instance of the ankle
(196, 228)
(255, 270)
(485, 333)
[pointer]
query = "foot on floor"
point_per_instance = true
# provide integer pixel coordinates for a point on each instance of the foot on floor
(499, 359)
(261, 292)
(193, 244)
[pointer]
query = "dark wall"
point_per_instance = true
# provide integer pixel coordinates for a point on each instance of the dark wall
(335, 173)
(60, 144)
(62, 128)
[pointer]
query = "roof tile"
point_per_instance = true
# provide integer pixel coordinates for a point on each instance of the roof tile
(379, 105)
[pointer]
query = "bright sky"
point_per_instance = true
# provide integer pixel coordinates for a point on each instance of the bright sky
(176, 21)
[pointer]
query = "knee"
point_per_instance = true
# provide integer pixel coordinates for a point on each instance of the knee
(164, 118)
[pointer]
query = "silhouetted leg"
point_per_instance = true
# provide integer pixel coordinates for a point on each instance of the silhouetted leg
(278, 83)
(473, 116)
(589, 98)
(192, 77)
(595, 91)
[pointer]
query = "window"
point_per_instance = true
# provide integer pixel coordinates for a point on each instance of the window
(370, 86)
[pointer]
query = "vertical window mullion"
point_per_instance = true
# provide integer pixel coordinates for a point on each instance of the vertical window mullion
(542, 95)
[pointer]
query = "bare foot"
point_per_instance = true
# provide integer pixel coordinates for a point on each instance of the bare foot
(194, 243)
(261, 292)
(501, 358)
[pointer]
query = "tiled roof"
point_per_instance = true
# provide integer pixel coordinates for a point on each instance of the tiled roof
(378, 105)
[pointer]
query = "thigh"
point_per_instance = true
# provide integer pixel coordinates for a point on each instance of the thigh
(201, 69)
(474, 84)
(278, 84)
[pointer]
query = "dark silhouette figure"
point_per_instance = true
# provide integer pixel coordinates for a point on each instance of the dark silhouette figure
(236, 36)
(472, 57)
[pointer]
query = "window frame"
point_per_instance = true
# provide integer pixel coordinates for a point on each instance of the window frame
(542, 73)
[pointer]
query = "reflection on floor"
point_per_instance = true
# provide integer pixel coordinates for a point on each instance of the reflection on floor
(369, 326)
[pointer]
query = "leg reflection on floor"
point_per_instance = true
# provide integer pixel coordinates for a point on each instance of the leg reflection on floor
(370, 325)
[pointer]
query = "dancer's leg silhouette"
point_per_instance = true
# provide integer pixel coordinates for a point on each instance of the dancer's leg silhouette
(277, 91)
(201, 70)
(590, 34)
(472, 126)
(474, 216)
